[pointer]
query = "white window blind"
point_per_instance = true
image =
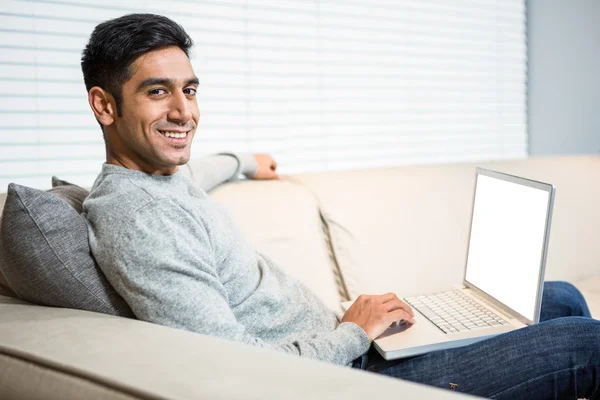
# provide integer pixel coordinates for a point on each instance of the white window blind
(321, 85)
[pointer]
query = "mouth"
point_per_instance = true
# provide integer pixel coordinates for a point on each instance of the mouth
(175, 136)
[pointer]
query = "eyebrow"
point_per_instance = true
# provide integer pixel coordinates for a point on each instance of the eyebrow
(163, 81)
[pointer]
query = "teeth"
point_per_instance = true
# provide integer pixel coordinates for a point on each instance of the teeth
(174, 134)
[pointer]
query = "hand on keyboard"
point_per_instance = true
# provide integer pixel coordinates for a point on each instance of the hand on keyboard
(375, 313)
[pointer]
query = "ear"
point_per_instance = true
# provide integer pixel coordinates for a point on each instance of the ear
(103, 105)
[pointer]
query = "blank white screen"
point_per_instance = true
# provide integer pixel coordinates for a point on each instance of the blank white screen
(507, 236)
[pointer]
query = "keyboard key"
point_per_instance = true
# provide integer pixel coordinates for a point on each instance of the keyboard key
(426, 311)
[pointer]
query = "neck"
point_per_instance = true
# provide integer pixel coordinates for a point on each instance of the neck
(127, 162)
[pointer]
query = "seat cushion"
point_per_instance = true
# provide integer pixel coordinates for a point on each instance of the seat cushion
(45, 255)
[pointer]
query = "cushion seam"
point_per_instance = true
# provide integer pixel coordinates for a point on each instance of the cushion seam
(334, 254)
(329, 238)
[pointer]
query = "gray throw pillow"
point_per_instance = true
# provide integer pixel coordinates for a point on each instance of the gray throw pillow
(45, 254)
(72, 194)
(5, 290)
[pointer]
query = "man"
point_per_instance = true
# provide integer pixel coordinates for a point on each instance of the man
(178, 260)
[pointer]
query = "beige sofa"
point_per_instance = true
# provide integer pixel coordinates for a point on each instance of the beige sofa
(400, 229)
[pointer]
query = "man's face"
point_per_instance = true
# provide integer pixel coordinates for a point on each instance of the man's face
(159, 113)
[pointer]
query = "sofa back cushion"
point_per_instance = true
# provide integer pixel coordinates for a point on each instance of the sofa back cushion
(45, 255)
(405, 229)
(389, 227)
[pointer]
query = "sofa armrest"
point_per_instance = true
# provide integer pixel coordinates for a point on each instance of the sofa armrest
(142, 360)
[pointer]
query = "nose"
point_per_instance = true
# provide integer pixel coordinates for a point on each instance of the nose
(180, 108)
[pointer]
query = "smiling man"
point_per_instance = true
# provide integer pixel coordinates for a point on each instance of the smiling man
(171, 252)
(178, 259)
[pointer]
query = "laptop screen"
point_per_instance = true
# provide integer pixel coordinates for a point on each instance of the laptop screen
(507, 240)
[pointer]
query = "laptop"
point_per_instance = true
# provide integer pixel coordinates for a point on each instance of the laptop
(504, 272)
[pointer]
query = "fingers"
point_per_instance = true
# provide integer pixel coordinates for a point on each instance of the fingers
(267, 167)
(388, 297)
(274, 169)
(398, 304)
(392, 302)
(397, 315)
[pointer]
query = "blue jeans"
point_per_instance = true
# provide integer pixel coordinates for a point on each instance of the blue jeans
(559, 358)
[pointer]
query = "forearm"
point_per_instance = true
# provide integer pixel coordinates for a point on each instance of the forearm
(215, 170)
(340, 346)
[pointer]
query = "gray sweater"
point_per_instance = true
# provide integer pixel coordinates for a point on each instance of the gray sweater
(179, 260)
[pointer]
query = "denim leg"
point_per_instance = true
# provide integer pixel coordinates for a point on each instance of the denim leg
(561, 299)
(557, 359)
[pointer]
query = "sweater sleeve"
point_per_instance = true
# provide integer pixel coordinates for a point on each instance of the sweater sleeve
(212, 171)
(162, 263)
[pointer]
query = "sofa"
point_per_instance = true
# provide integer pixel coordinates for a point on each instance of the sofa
(401, 229)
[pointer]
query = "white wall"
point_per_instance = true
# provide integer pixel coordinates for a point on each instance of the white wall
(564, 77)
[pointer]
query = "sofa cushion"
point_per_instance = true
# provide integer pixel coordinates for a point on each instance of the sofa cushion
(150, 361)
(74, 195)
(45, 255)
(390, 227)
(405, 229)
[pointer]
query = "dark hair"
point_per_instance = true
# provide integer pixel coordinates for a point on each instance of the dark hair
(115, 44)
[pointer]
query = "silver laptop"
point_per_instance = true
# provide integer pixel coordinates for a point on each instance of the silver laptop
(504, 272)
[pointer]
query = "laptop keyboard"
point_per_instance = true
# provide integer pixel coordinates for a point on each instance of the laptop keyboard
(454, 312)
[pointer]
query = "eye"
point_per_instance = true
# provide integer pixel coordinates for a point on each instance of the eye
(190, 91)
(156, 92)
